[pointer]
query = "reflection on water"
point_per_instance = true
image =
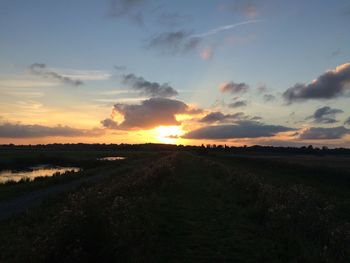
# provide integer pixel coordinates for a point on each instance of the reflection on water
(33, 172)
(112, 158)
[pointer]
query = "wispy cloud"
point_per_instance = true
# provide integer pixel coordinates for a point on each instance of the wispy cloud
(219, 117)
(121, 100)
(182, 41)
(237, 104)
(41, 69)
(83, 74)
(120, 67)
(131, 9)
(24, 82)
(223, 28)
(175, 42)
(23, 93)
(269, 97)
(28, 105)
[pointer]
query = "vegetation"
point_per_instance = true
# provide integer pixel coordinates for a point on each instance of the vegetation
(176, 206)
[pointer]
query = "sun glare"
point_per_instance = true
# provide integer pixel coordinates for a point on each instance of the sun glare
(168, 134)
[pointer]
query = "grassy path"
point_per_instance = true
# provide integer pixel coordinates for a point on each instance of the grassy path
(200, 218)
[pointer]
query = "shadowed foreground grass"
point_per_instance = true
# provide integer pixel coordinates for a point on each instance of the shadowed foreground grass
(180, 208)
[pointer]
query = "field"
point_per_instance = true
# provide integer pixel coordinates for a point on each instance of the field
(171, 204)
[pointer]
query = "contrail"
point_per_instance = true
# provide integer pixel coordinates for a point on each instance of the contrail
(223, 28)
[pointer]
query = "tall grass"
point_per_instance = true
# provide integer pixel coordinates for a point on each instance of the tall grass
(105, 222)
(301, 223)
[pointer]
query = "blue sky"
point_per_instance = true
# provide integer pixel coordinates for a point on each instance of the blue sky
(282, 43)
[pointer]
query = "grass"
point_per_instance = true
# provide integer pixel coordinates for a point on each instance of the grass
(183, 208)
(329, 178)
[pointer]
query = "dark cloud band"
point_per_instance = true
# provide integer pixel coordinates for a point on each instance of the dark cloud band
(10, 130)
(219, 117)
(318, 133)
(243, 129)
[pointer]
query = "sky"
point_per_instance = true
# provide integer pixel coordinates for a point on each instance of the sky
(234, 72)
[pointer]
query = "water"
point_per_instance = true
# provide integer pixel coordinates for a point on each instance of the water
(112, 158)
(32, 172)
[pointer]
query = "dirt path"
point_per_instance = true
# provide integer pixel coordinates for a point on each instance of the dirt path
(21, 203)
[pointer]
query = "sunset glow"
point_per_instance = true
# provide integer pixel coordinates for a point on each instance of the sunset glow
(184, 80)
(169, 134)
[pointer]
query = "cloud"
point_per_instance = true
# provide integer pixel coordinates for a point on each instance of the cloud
(131, 9)
(109, 124)
(84, 74)
(332, 84)
(121, 68)
(41, 69)
(325, 115)
(152, 89)
(237, 104)
(219, 117)
(269, 97)
(176, 42)
(261, 88)
(233, 87)
(17, 130)
(182, 41)
(19, 83)
(336, 53)
(149, 114)
(318, 133)
(243, 129)
(347, 121)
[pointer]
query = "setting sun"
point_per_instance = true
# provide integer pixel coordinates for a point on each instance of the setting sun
(168, 134)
